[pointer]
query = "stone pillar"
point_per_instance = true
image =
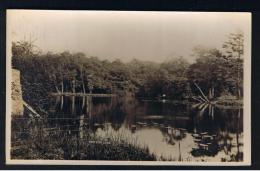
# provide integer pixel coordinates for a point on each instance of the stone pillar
(17, 98)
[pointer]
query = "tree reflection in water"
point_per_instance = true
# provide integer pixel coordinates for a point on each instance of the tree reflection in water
(210, 143)
(179, 130)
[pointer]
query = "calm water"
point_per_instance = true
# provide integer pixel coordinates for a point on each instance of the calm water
(174, 131)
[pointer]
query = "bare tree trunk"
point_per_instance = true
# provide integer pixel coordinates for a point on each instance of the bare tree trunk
(62, 87)
(82, 79)
(205, 97)
(202, 99)
(56, 87)
(83, 102)
(199, 100)
(83, 86)
(202, 108)
(53, 77)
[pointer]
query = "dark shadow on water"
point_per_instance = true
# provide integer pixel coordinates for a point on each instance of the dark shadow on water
(73, 120)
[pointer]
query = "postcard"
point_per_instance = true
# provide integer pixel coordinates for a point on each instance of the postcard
(128, 88)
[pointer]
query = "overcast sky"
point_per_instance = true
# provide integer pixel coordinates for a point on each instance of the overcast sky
(153, 36)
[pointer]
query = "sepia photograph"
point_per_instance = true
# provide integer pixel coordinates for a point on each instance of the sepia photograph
(128, 87)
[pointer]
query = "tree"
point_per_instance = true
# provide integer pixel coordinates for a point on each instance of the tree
(234, 49)
(207, 72)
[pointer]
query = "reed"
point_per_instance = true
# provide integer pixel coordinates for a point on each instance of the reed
(49, 144)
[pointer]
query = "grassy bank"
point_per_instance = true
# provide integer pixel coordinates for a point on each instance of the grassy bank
(87, 150)
(56, 144)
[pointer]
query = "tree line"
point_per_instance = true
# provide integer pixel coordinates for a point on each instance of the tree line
(215, 73)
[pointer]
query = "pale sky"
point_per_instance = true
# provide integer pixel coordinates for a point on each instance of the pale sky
(150, 36)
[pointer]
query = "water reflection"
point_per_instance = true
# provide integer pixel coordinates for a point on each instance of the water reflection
(179, 132)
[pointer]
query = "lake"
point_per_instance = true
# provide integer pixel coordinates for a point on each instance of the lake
(173, 131)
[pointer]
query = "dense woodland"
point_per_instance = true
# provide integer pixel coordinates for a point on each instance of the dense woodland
(215, 73)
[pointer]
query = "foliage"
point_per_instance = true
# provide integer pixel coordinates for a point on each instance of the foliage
(234, 51)
(219, 72)
(216, 72)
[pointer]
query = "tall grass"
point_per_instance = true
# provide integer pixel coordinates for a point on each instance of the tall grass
(37, 142)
